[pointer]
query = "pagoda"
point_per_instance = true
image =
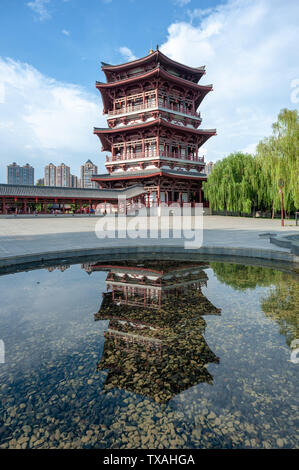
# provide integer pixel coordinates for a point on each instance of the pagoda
(154, 132)
(156, 353)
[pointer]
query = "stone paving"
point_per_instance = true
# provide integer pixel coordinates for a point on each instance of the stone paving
(221, 235)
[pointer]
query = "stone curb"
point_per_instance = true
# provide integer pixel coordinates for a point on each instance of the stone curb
(205, 250)
(290, 242)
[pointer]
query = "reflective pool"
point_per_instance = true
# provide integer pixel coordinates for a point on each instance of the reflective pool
(149, 354)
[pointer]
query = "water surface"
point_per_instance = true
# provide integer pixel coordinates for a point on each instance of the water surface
(149, 354)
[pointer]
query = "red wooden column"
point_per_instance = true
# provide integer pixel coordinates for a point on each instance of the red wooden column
(45, 206)
(80, 205)
(159, 298)
(158, 194)
(25, 206)
(4, 210)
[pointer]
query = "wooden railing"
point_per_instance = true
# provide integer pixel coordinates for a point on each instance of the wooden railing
(140, 107)
(142, 155)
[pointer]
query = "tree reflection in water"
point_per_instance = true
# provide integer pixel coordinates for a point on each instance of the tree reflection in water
(281, 303)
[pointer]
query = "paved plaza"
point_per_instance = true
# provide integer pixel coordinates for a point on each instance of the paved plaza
(33, 239)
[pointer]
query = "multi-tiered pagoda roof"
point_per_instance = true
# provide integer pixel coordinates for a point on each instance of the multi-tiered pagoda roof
(154, 128)
(154, 344)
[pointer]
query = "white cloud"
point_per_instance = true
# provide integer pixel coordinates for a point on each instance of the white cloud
(127, 53)
(250, 51)
(43, 120)
(2, 93)
(251, 148)
(40, 9)
(65, 32)
(182, 3)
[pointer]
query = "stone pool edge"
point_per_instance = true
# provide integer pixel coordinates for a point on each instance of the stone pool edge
(290, 242)
(240, 252)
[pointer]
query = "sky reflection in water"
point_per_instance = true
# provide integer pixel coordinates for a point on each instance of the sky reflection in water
(149, 355)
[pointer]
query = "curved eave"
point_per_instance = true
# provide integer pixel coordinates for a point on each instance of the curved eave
(103, 132)
(126, 268)
(155, 56)
(127, 176)
(158, 71)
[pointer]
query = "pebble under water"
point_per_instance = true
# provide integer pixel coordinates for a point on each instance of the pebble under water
(152, 354)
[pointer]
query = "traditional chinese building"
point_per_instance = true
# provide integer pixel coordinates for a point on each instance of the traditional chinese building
(154, 344)
(142, 286)
(154, 129)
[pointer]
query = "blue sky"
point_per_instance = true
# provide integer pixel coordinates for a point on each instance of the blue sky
(67, 39)
(50, 54)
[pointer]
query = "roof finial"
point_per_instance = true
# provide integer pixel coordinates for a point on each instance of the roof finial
(151, 49)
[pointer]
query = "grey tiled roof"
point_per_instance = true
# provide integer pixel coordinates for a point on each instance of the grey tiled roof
(13, 190)
(150, 172)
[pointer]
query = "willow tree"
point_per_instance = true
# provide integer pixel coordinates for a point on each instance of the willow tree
(267, 160)
(232, 184)
(242, 277)
(278, 157)
(282, 305)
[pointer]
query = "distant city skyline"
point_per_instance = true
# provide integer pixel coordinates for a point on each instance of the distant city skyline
(61, 176)
(54, 175)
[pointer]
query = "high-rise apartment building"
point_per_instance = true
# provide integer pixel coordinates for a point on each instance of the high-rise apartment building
(16, 174)
(87, 170)
(63, 175)
(50, 175)
(74, 181)
(60, 176)
(209, 167)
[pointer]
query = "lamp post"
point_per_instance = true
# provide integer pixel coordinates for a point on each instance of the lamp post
(281, 185)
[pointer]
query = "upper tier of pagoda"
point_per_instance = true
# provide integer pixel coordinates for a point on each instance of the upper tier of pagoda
(154, 80)
(121, 96)
(153, 60)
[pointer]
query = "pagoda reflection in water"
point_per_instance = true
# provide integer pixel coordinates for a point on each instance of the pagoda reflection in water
(154, 343)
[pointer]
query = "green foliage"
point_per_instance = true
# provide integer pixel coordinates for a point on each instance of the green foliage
(282, 305)
(281, 302)
(242, 182)
(231, 185)
(242, 277)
